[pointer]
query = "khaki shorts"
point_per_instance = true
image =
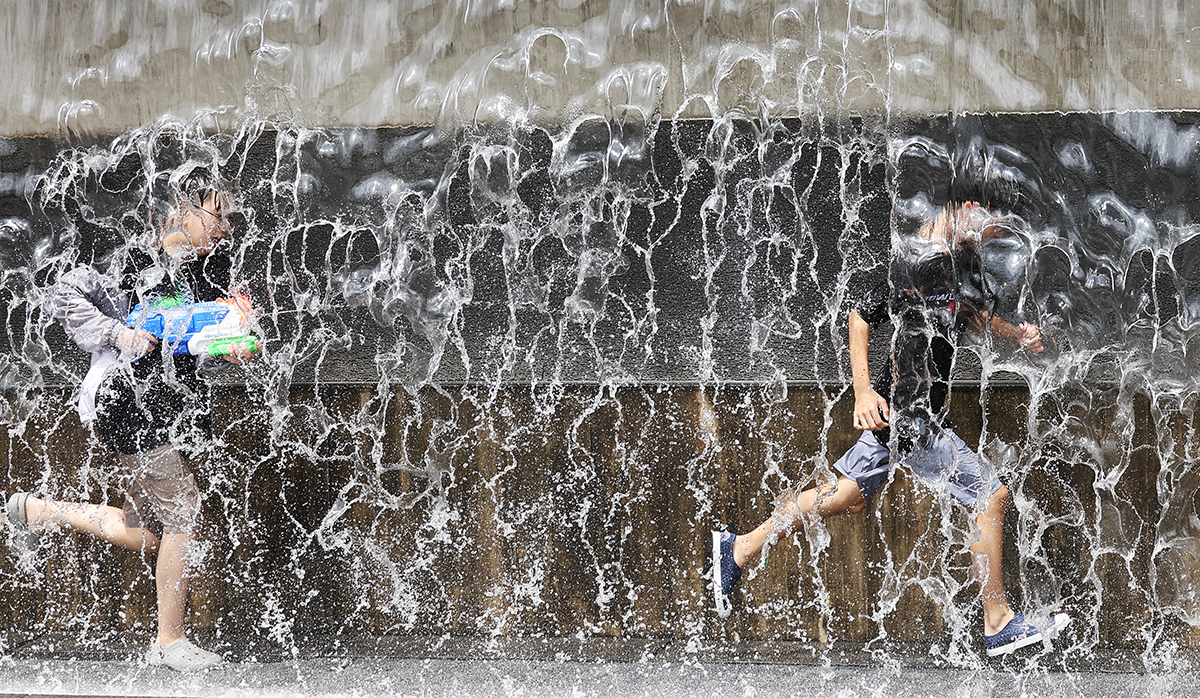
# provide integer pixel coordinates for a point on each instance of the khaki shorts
(160, 492)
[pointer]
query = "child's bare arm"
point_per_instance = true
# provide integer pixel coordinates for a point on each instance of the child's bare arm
(870, 409)
(1027, 334)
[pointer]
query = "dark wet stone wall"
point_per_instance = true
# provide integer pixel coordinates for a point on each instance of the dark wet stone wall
(464, 431)
(598, 530)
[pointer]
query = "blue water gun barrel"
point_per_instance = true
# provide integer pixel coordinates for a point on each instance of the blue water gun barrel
(176, 324)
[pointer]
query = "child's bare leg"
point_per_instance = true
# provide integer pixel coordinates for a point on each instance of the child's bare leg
(989, 550)
(172, 583)
(104, 522)
(787, 519)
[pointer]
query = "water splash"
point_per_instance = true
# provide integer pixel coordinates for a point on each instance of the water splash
(521, 359)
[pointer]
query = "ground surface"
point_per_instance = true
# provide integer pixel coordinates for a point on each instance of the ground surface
(467, 678)
(70, 664)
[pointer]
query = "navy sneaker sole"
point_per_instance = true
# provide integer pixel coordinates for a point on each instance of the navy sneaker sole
(724, 608)
(725, 571)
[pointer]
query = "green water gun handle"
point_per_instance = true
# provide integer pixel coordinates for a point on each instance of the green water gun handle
(223, 347)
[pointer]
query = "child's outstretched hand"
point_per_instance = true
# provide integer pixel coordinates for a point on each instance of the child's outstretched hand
(240, 354)
(134, 343)
(870, 411)
(1029, 336)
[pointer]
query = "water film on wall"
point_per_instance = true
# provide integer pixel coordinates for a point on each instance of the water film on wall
(526, 345)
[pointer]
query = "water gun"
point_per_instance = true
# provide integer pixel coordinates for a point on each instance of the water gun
(210, 328)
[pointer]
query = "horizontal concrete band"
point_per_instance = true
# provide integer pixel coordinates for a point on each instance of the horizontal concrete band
(109, 66)
(624, 254)
(57, 649)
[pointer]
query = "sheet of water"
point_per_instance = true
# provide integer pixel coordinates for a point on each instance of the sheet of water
(521, 290)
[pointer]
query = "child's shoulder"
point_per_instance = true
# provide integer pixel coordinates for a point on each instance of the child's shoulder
(85, 278)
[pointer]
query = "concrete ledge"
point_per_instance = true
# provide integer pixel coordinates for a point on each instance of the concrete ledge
(127, 648)
(488, 677)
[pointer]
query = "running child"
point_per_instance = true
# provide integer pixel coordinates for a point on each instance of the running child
(935, 290)
(147, 403)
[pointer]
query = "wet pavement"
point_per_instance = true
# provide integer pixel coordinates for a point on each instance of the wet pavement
(465, 667)
(466, 678)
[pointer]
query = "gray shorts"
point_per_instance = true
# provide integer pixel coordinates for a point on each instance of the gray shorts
(943, 461)
(160, 492)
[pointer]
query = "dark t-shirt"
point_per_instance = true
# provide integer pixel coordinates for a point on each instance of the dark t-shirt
(138, 411)
(930, 299)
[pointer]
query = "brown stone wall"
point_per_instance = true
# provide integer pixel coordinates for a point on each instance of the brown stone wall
(563, 512)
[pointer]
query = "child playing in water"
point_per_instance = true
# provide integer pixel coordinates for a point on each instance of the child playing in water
(147, 403)
(935, 290)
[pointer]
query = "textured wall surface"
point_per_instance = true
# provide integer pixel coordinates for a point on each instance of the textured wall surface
(549, 290)
(514, 376)
(106, 67)
(596, 527)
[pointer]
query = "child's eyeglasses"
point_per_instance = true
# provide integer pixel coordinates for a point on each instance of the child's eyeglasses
(223, 217)
(197, 202)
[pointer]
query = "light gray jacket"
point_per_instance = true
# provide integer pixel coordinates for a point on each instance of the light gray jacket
(92, 308)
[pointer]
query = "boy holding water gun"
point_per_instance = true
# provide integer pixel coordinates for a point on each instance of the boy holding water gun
(146, 396)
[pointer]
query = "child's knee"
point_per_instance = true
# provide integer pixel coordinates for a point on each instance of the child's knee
(850, 493)
(847, 499)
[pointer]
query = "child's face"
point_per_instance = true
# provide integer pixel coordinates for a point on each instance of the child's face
(197, 225)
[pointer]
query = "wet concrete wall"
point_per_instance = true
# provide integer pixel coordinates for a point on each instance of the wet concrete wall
(591, 522)
(632, 252)
(569, 491)
(104, 67)
(437, 246)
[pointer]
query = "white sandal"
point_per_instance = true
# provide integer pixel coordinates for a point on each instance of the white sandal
(15, 508)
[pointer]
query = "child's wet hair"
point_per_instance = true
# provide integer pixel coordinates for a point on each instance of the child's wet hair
(198, 185)
(993, 193)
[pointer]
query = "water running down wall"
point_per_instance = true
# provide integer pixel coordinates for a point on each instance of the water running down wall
(516, 372)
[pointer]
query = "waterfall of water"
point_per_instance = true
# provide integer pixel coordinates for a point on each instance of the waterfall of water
(547, 291)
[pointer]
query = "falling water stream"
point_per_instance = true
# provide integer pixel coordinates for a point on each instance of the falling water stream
(548, 292)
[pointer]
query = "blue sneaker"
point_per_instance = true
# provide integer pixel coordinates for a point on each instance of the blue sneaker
(725, 572)
(1019, 633)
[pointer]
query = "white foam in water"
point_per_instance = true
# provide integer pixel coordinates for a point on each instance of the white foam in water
(542, 303)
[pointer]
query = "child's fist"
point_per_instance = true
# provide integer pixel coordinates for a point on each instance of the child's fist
(1030, 336)
(134, 344)
(240, 354)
